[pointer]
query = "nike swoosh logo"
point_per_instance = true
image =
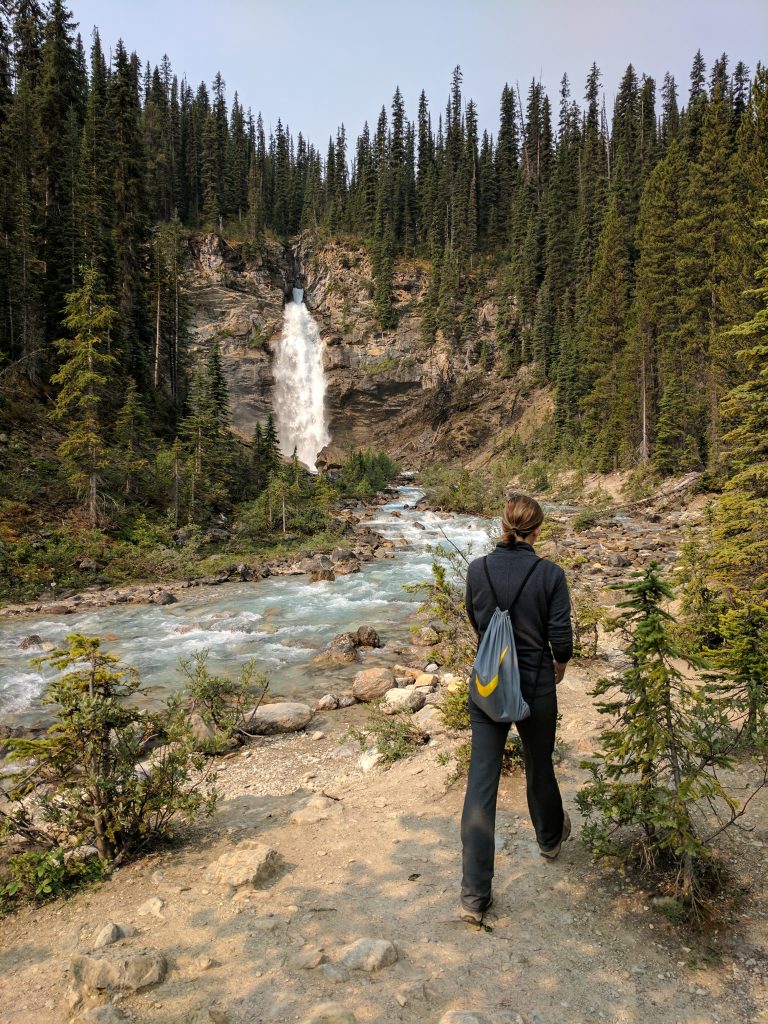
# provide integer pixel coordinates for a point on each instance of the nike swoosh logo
(486, 691)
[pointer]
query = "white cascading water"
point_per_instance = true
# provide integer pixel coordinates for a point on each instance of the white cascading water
(300, 384)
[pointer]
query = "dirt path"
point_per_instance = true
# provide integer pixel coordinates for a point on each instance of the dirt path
(376, 855)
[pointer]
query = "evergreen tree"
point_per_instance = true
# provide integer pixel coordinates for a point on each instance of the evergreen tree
(87, 380)
(741, 522)
(657, 758)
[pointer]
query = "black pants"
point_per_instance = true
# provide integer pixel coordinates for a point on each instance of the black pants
(478, 821)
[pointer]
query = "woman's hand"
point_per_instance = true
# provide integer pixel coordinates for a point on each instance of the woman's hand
(559, 668)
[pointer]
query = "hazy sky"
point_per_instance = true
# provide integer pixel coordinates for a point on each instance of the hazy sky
(315, 64)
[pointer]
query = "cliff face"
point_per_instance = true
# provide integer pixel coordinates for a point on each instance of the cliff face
(386, 389)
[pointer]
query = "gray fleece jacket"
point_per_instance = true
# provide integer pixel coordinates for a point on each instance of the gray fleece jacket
(541, 617)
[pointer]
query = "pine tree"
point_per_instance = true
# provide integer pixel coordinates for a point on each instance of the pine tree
(132, 440)
(741, 521)
(271, 458)
(605, 331)
(657, 758)
(87, 381)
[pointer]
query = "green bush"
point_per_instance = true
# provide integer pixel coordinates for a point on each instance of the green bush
(82, 783)
(226, 705)
(394, 736)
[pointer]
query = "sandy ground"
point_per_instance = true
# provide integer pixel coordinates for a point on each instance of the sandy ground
(570, 942)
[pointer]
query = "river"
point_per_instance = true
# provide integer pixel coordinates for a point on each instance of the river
(282, 621)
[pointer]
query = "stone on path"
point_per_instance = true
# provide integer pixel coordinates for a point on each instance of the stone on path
(372, 683)
(152, 906)
(369, 955)
(406, 699)
(130, 973)
(249, 863)
(283, 716)
(317, 808)
(331, 1013)
(111, 933)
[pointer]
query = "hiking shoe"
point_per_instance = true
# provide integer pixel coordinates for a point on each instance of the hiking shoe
(473, 916)
(553, 851)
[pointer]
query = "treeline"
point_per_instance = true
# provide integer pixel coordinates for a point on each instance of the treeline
(622, 243)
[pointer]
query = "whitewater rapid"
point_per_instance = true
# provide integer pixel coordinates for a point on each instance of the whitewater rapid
(282, 621)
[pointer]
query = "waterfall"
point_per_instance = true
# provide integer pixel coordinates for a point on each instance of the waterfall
(299, 398)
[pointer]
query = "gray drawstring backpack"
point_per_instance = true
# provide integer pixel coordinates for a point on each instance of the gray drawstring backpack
(495, 680)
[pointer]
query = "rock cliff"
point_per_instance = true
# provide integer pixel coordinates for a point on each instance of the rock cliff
(386, 389)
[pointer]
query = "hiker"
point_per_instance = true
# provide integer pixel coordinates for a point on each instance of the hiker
(535, 592)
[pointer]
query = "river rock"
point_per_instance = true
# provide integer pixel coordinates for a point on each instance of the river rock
(368, 955)
(405, 699)
(342, 650)
(283, 716)
(347, 700)
(427, 681)
(342, 555)
(131, 973)
(427, 636)
(346, 568)
(33, 640)
(321, 575)
(162, 597)
(249, 863)
(328, 702)
(372, 683)
(330, 1013)
(430, 721)
(366, 636)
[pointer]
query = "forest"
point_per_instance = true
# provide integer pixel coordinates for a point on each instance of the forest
(624, 245)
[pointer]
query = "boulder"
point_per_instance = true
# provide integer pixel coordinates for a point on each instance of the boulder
(33, 640)
(346, 568)
(283, 716)
(372, 683)
(342, 555)
(249, 863)
(427, 681)
(368, 955)
(321, 575)
(427, 636)
(162, 597)
(405, 699)
(366, 636)
(330, 457)
(342, 650)
(131, 973)
(430, 721)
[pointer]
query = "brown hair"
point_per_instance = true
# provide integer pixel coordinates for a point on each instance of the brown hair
(521, 516)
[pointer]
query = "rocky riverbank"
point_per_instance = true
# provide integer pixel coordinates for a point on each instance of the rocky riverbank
(361, 544)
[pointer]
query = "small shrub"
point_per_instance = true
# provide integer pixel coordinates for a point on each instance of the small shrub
(227, 705)
(585, 519)
(394, 736)
(80, 784)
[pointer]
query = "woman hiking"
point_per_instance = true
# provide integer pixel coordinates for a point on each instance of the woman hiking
(534, 590)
